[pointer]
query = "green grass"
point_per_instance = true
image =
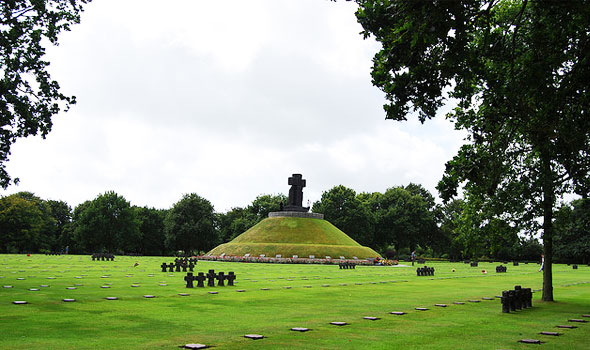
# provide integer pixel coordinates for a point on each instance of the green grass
(221, 320)
(294, 236)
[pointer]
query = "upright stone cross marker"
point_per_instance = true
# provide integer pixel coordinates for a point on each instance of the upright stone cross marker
(296, 194)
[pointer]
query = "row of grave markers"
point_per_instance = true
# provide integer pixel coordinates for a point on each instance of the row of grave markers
(211, 276)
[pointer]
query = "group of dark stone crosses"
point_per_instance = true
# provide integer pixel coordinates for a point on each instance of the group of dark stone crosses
(184, 264)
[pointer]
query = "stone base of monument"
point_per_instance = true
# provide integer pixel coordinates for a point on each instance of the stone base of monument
(295, 214)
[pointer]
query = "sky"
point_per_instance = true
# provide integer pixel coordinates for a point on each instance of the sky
(225, 99)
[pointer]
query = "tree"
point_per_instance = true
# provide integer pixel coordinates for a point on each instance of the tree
(572, 233)
(151, 230)
(265, 204)
(519, 71)
(21, 224)
(107, 223)
(61, 213)
(344, 210)
(403, 220)
(190, 225)
(28, 95)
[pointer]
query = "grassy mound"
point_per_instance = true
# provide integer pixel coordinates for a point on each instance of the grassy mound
(294, 236)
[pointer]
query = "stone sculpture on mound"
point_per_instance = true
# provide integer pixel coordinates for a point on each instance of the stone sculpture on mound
(296, 194)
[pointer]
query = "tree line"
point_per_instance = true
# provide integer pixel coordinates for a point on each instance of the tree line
(394, 223)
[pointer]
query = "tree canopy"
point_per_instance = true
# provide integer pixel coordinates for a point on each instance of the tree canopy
(29, 97)
(190, 225)
(519, 72)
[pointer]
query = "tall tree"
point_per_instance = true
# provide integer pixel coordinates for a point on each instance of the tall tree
(21, 224)
(519, 71)
(190, 225)
(29, 97)
(403, 219)
(572, 233)
(107, 223)
(342, 208)
(62, 215)
(151, 230)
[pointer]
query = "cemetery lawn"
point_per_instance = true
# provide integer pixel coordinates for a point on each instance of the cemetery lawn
(319, 294)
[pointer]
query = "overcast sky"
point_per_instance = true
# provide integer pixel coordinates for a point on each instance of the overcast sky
(225, 99)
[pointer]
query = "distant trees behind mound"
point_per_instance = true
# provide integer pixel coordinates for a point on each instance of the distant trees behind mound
(394, 223)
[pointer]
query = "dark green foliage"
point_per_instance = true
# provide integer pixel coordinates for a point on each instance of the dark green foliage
(344, 210)
(151, 230)
(30, 224)
(519, 71)
(107, 223)
(401, 217)
(572, 232)
(29, 97)
(190, 225)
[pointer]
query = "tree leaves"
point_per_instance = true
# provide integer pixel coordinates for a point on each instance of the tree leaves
(29, 97)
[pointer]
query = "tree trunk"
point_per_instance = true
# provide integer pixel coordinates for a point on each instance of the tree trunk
(548, 189)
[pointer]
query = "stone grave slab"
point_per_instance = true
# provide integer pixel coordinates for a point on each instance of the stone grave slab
(299, 329)
(68, 300)
(486, 298)
(566, 326)
(577, 320)
(71, 288)
(19, 302)
(149, 296)
(399, 313)
(459, 303)
(441, 305)
(337, 323)
(44, 286)
(33, 289)
(474, 301)
(105, 287)
(254, 336)
(550, 333)
(213, 292)
(530, 341)
(195, 346)
(135, 285)
(240, 290)
(421, 309)
(371, 318)
(183, 294)
(6, 286)
(112, 298)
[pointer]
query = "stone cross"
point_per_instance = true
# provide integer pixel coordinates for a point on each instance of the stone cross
(189, 278)
(200, 280)
(220, 277)
(211, 276)
(296, 191)
(230, 278)
(171, 267)
(177, 267)
(163, 266)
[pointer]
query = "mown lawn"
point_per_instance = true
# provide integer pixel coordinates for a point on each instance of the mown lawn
(317, 296)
